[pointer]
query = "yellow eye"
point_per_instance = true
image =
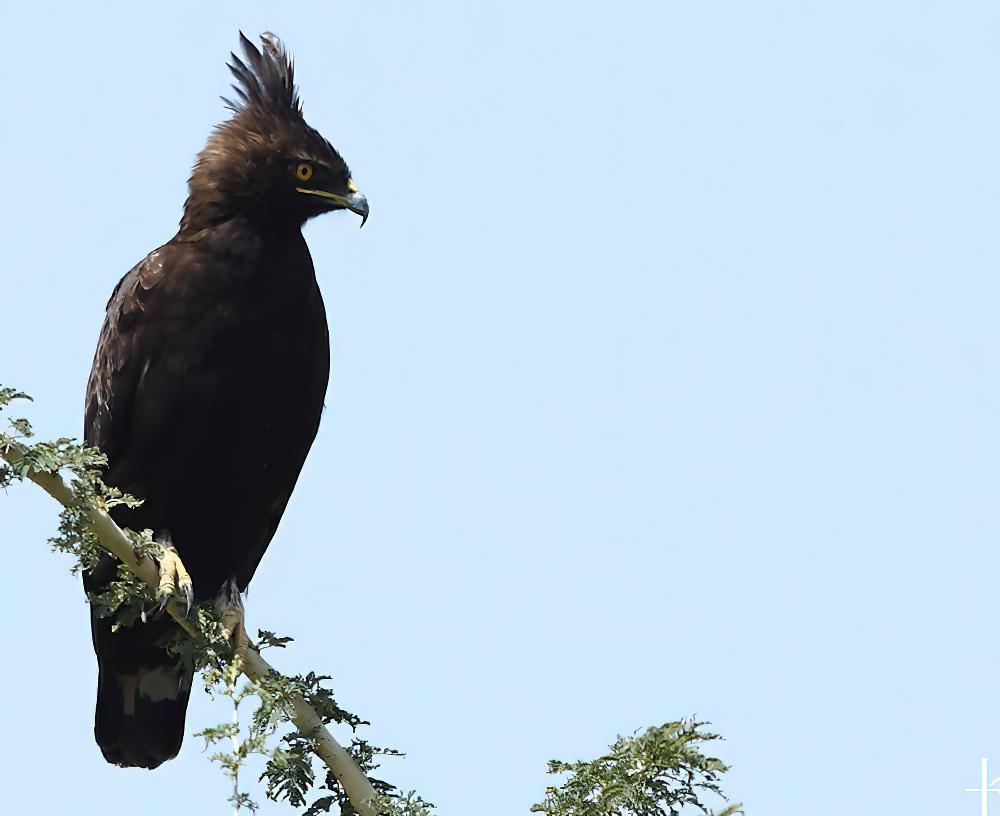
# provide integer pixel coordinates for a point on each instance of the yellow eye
(303, 171)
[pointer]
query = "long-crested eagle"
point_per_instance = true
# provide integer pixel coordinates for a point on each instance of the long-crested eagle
(208, 384)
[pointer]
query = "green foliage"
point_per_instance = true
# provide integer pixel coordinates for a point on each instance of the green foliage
(656, 773)
(268, 640)
(223, 679)
(84, 465)
(402, 804)
(126, 599)
(290, 772)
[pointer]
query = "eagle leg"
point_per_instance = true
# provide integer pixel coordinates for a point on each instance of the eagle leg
(230, 608)
(174, 577)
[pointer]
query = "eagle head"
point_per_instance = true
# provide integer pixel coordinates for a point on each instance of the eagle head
(265, 163)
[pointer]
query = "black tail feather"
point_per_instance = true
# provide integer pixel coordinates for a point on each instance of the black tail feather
(135, 729)
(142, 695)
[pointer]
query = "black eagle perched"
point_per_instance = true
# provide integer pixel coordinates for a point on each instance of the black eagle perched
(208, 384)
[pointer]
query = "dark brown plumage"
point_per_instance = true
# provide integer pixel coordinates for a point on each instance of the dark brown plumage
(209, 378)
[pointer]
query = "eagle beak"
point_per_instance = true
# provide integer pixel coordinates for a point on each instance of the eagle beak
(357, 203)
(353, 201)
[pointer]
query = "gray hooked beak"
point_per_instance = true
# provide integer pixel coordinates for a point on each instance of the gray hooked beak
(357, 203)
(354, 201)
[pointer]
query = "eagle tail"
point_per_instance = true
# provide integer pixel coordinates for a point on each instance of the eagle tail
(142, 697)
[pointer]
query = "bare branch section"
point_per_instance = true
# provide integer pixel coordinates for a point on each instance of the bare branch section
(359, 790)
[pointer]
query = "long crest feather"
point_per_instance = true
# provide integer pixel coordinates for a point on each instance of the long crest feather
(268, 123)
(265, 78)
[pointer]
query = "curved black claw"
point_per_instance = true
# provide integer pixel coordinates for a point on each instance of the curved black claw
(174, 577)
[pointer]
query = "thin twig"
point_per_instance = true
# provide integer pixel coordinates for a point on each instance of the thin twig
(231, 681)
(359, 790)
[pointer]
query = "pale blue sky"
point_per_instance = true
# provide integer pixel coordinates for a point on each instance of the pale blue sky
(664, 381)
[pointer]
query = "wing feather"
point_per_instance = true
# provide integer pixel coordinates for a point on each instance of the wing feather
(122, 358)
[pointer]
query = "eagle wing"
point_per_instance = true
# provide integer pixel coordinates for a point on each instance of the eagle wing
(126, 350)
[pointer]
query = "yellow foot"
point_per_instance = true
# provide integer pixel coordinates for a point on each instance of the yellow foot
(230, 608)
(174, 578)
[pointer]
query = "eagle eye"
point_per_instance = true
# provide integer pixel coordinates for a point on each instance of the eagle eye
(303, 171)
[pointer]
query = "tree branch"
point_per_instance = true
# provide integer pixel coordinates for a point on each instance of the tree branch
(359, 790)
